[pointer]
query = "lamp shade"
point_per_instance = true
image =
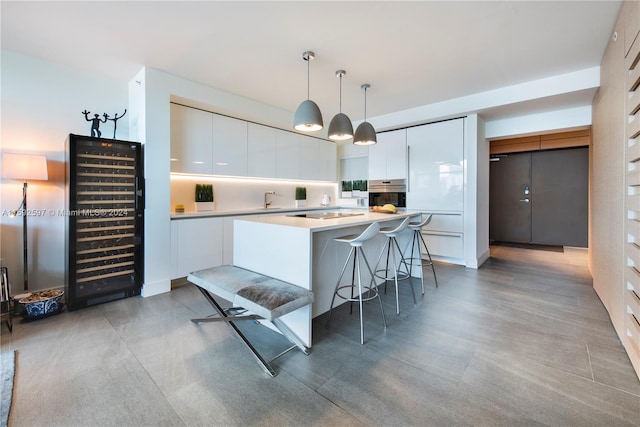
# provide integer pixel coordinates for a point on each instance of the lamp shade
(24, 166)
(340, 128)
(365, 134)
(308, 117)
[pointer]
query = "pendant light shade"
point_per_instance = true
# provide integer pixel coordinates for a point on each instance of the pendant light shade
(340, 127)
(365, 133)
(308, 117)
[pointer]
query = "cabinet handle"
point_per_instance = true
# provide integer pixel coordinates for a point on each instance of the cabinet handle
(408, 168)
(431, 233)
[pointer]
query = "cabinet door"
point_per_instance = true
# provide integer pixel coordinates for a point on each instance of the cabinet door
(261, 143)
(287, 151)
(308, 158)
(191, 140)
(229, 146)
(328, 161)
(378, 158)
(436, 166)
(396, 155)
(199, 244)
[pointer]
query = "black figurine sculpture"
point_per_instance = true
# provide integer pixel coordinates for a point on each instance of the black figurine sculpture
(95, 122)
(115, 121)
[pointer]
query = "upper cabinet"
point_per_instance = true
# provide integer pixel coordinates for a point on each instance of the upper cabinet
(229, 146)
(436, 166)
(388, 158)
(191, 140)
(261, 161)
(287, 152)
(317, 159)
(212, 144)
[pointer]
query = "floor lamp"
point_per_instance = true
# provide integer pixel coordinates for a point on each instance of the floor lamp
(24, 167)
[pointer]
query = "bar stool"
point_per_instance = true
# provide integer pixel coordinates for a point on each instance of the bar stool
(392, 248)
(416, 240)
(356, 242)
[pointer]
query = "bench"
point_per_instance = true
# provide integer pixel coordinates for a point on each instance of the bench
(254, 296)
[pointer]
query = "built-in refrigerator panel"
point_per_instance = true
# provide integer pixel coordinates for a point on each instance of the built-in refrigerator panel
(105, 220)
(436, 166)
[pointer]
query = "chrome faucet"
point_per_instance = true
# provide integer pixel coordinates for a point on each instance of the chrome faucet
(266, 203)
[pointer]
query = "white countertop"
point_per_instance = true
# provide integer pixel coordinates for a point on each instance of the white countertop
(253, 211)
(314, 224)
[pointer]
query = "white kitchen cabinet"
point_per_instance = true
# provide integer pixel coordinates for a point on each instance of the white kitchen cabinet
(308, 158)
(212, 144)
(229, 146)
(445, 246)
(287, 152)
(436, 166)
(198, 244)
(328, 160)
(261, 143)
(191, 140)
(388, 158)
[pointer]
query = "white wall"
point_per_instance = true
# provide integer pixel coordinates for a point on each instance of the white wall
(41, 104)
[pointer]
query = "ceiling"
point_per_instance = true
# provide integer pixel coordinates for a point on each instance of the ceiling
(412, 53)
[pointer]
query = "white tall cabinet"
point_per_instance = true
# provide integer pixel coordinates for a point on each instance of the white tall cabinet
(436, 184)
(388, 158)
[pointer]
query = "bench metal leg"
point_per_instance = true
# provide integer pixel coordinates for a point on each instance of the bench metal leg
(229, 321)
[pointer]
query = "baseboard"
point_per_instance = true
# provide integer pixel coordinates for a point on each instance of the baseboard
(156, 288)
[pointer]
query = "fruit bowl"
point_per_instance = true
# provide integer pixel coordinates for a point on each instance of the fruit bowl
(42, 303)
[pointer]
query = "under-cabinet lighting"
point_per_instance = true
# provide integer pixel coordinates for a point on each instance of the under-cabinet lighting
(223, 178)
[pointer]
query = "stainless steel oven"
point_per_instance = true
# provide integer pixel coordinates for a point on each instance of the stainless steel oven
(383, 191)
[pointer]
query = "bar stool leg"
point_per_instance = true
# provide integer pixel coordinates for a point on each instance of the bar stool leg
(403, 261)
(430, 261)
(419, 258)
(372, 285)
(344, 267)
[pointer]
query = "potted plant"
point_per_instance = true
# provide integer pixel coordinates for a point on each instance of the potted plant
(347, 187)
(204, 197)
(301, 197)
(357, 187)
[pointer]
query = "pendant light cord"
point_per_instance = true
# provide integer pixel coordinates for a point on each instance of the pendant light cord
(308, 80)
(365, 104)
(341, 93)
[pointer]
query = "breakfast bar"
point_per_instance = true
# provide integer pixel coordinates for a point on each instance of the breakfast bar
(300, 249)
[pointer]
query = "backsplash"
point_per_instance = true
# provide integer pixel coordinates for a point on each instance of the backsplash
(241, 193)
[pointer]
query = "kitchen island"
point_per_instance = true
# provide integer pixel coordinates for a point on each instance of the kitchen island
(301, 250)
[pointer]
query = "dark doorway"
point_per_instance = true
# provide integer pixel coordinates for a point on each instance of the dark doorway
(540, 197)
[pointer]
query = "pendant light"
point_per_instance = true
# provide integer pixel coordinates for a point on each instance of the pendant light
(365, 133)
(308, 117)
(340, 127)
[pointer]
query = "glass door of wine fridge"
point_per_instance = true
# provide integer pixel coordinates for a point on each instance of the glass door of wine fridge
(105, 220)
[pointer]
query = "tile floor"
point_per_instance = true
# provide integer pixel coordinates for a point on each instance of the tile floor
(524, 340)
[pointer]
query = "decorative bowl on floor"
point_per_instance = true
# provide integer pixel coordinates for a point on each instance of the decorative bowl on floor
(42, 303)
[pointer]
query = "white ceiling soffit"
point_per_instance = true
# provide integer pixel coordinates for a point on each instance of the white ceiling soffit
(412, 53)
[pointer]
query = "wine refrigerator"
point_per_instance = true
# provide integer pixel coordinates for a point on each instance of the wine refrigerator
(104, 221)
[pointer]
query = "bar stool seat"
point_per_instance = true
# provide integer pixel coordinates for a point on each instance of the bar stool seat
(357, 292)
(416, 240)
(399, 268)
